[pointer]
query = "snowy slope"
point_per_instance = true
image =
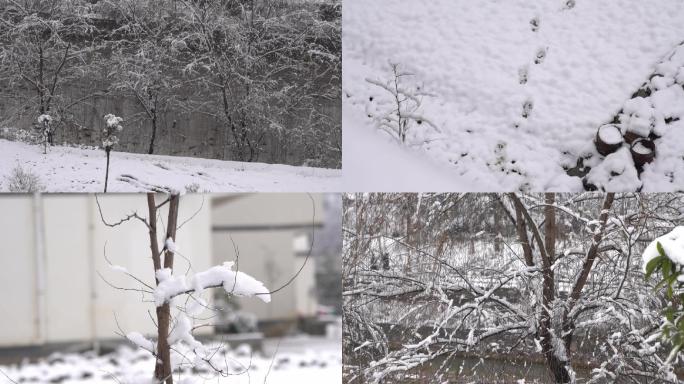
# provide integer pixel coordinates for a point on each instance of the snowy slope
(66, 169)
(393, 168)
(575, 67)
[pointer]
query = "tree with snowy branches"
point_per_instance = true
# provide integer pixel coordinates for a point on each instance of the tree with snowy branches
(45, 45)
(566, 287)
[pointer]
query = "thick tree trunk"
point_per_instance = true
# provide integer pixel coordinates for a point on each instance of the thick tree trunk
(162, 369)
(556, 362)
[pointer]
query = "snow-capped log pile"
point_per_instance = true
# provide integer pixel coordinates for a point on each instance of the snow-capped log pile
(649, 126)
(516, 89)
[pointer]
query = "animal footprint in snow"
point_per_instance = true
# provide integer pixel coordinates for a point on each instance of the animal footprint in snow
(541, 55)
(527, 108)
(523, 73)
(570, 4)
(535, 24)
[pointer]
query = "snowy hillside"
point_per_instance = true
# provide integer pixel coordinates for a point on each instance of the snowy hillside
(513, 92)
(65, 169)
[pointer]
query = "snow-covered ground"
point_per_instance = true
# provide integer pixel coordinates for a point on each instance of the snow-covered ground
(515, 89)
(392, 168)
(65, 169)
(299, 360)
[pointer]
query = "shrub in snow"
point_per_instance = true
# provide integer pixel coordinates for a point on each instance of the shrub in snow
(401, 113)
(112, 126)
(23, 181)
(45, 123)
(666, 255)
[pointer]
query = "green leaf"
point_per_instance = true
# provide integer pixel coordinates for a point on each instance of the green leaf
(653, 265)
(667, 264)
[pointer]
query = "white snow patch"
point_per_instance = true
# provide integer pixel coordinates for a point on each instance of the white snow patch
(673, 245)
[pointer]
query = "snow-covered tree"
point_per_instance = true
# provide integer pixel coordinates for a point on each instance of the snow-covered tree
(144, 63)
(565, 285)
(45, 44)
(269, 71)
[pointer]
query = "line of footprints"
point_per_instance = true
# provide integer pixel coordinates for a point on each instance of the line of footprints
(524, 72)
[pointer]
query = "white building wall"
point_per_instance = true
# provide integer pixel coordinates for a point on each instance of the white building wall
(17, 272)
(269, 254)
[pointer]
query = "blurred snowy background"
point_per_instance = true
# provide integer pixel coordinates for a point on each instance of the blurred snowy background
(63, 314)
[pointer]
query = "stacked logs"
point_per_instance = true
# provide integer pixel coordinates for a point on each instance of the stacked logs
(611, 137)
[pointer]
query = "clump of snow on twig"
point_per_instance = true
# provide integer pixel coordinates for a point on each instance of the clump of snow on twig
(44, 119)
(118, 268)
(141, 341)
(233, 282)
(171, 245)
(113, 121)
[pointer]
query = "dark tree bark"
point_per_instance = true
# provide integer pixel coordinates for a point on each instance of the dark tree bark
(107, 171)
(162, 369)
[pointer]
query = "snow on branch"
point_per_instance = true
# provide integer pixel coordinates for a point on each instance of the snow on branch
(233, 282)
(673, 245)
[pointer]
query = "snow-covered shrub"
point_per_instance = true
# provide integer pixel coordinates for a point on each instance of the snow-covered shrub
(20, 135)
(112, 126)
(400, 113)
(666, 255)
(45, 123)
(193, 188)
(23, 181)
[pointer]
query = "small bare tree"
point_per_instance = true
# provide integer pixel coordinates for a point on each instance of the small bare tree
(406, 102)
(112, 126)
(178, 297)
(45, 122)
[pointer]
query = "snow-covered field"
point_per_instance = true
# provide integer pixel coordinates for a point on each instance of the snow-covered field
(299, 360)
(513, 91)
(65, 169)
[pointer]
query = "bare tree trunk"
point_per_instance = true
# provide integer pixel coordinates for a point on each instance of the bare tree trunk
(162, 369)
(522, 233)
(555, 362)
(107, 172)
(150, 150)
